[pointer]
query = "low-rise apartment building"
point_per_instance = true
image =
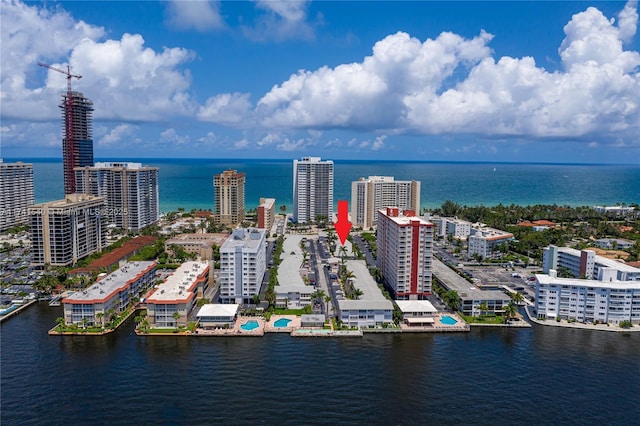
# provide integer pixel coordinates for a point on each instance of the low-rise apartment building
(585, 264)
(484, 241)
(291, 291)
(199, 244)
(171, 303)
(587, 300)
(111, 295)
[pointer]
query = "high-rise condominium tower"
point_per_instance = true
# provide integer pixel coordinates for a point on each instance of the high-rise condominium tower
(229, 197)
(312, 189)
(130, 190)
(16, 193)
(378, 192)
(77, 136)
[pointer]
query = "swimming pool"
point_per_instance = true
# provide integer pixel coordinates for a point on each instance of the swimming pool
(282, 322)
(447, 320)
(250, 325)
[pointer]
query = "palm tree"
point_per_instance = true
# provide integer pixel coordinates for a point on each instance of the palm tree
(283, 208)
(256, 299)
(270, 296)
(483, 307)
(327, 299)
(517, 297)
(286, 303)
(100, 316)
(61, 323)
(451, 299)
(356, 293)
(510, 311)
(176, 316)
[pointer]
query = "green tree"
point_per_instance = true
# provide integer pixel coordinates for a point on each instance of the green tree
(517, 297)
(61, 323)
(283, 208)
(100, 318)
(176, 316)
(256, 299)
(510, 311)
(451, 299)
(270, 296)
(483, 308)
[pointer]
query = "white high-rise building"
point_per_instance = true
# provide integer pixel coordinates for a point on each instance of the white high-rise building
(405, 250)
(378, 192)
(242, 265)
(65, 231)
(312, 189)
(16, 193)
(130, 190)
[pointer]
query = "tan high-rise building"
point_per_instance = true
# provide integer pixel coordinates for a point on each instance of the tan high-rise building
(16, 193)
(130, 190)
(379, 192)
(65, 231)
(229, 197)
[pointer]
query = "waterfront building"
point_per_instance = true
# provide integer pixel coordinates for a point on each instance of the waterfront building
(266, 213)
(615, 210)
(372, 308)
(471, 296)
(77, 139)
(199, 244)
(214, 315)
(242, 265)
(312, 189)
(110, 295)
(291, 291)
(229, 197)
(585, 264)
(404, 253)
(16, 193)
(484, 241)
(130, 190)
(587, 300)
(417, 313)
(378, 192)
(172, 302)
(65, 231)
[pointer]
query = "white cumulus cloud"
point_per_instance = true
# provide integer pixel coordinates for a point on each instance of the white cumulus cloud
(227, 108)
(454, 85)
(281, 20)
(117, 134)
(200, 15)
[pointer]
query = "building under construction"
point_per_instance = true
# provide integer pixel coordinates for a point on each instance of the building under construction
(77, 136)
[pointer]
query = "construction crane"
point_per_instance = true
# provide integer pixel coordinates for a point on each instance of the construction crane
(67, 73)
(68, 142)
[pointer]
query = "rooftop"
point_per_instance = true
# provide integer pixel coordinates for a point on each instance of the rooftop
(603, 261)
(218, 310)
(289, 279)
(118, 254)
(403, 218)
(352, 305)
(464, 288)
(112, 283)
(71, 200)
(410, 306)
(549, 280)
(244, 237)
(179, 285)
(364, 281)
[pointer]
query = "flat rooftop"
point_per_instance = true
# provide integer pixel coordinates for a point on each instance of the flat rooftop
(179, 285)
(415, 306)
(245, 238)
(289, 279)
(112, 283)
(364, 281)
(614, 285)
(464, 288)
(601, 260)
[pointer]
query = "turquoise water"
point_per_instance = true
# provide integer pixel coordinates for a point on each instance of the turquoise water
(189, 183)
(282, 322)
(250, 325)
(447, 320)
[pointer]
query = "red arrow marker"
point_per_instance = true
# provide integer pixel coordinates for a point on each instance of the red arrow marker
(343, 226)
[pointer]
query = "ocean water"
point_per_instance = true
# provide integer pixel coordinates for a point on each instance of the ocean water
(537, 376)
(189, 183)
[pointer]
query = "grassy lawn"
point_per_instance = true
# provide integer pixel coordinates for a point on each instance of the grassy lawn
(484, 319)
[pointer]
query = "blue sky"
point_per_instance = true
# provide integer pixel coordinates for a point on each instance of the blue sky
(454, 81)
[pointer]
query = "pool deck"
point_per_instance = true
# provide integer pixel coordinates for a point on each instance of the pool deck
(294, 324)
(439, 327)
(236, 330)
